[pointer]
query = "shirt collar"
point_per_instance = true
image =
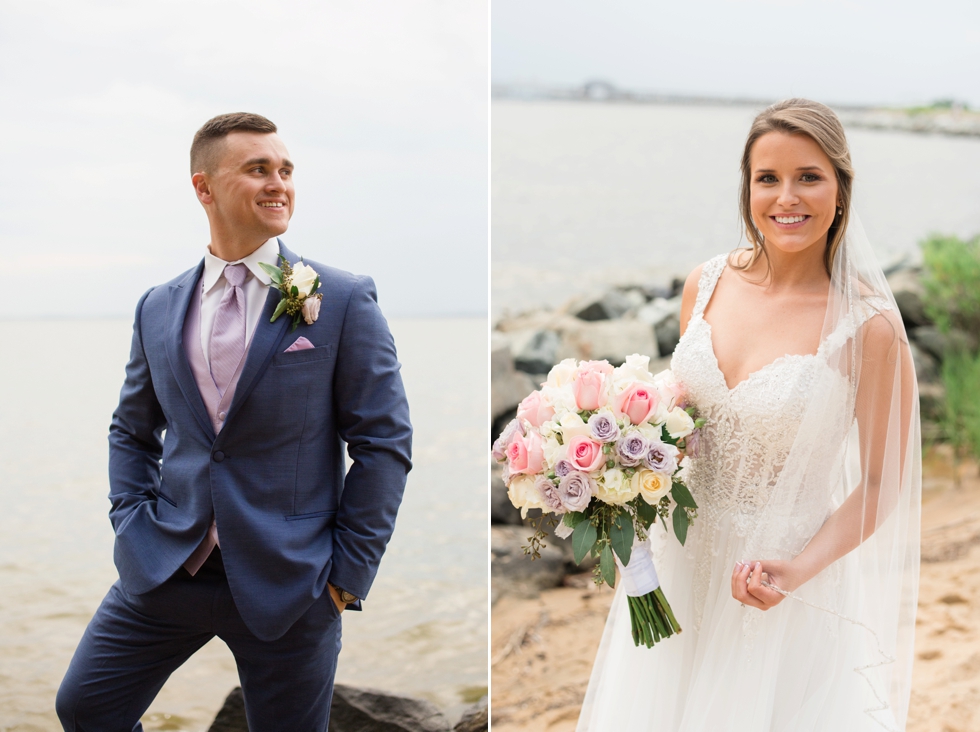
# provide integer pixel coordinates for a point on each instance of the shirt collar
(214, 267)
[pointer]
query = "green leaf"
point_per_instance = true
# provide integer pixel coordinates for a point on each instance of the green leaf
(295, 322)
(573, 518)
(316, 285)
(680, 524)
(682, 496)
(280, 309)
(274, 272)
(645, 512)
(621, 535)
(607, 566)
(583, 538)
(294, 290)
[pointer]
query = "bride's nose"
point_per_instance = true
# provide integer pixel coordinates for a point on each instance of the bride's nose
(787, 195)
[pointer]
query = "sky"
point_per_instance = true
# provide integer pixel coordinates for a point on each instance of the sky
(891, 52)
(383, 106)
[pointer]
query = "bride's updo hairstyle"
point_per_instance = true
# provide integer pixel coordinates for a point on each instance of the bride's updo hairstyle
(819, 123)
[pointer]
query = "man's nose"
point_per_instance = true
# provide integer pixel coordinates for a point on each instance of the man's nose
(275, 182)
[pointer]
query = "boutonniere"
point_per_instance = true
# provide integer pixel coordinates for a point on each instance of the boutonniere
(298, 286)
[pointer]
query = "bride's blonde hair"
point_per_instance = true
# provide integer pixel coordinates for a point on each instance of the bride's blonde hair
(819, 123)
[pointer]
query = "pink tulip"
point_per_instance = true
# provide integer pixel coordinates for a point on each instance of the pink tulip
(535, 410)
(638, 402)
(525, 454)
(585, 454)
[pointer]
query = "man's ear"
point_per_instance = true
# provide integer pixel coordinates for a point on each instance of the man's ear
(202, 187)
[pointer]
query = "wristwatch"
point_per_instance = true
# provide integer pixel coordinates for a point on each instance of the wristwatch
(346, 597)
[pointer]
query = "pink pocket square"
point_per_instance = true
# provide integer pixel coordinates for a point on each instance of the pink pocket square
(300, 344)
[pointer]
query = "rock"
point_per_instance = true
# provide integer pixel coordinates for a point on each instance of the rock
(502, 511)
(507, 385)
(475, 719)
(536, 353)
(357, 709)
(609, 305)
(512, 572)
(668, 334)
(663, 316)
(926, 365)
(231, 716)
(611, 340)
(937, 344)
(932, 402)
(907, 289)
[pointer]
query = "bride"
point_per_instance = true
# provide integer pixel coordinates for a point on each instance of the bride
(797, 586)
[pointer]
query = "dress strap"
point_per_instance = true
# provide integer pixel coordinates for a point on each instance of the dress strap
(710, 274)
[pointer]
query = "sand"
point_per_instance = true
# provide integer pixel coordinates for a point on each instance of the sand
(542, 648)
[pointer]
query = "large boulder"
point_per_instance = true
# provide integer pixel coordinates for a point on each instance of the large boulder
(535, 351)
(476, 718)
(610, 340)
(937, 344)
(502, 511)
(354, 709)
(926, 365)
(507, 385)
(514, 573)
(607, 305)
(357, 709)
(906, 286)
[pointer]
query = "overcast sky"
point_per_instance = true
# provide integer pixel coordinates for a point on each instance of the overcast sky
(836, 51)
(383, 106)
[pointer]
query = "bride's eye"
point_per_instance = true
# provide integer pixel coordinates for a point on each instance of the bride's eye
(810, 177)
(766, 178)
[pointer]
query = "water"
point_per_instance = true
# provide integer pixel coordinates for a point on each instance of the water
(424, 628)
(590, 194)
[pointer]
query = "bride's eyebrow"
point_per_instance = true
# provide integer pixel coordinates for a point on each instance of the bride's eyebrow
(804, 167)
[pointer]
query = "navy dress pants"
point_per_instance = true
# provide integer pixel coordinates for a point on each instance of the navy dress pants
(134, 643)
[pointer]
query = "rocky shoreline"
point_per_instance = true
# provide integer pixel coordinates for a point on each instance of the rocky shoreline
(610, 324)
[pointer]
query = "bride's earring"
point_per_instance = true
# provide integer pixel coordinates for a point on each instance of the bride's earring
(840, 209)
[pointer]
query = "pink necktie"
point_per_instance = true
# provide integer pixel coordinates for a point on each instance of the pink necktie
(227, 345)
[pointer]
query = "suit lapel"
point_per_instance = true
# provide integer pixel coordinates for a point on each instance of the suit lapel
(179, 300)
(265, 340)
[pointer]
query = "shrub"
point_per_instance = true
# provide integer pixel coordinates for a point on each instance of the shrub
(952, 282)
(961, 418)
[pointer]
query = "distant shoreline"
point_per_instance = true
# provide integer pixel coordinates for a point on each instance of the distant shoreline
(942, 118)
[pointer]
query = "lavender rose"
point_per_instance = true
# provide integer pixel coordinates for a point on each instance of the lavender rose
(576, 490)
(661, 457)
(563, 468)
(692, 444)
(499, 450)
(632, 448)
(550, 495)
(603, 426)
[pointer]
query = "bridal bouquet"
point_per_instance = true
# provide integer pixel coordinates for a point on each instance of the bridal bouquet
(596, 450)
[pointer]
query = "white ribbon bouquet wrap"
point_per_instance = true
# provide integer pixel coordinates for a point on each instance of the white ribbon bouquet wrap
(597, 450)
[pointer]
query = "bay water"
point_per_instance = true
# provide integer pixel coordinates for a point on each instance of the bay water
(589, 194)
(424, 628)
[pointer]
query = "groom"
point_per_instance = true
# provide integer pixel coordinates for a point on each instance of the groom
(232, 511)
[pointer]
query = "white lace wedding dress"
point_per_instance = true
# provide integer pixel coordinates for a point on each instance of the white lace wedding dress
(734, 668)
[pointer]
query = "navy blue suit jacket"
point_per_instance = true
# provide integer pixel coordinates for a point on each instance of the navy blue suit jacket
(289, 520)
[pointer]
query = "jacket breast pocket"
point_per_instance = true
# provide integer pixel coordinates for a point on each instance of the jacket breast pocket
(308, 355)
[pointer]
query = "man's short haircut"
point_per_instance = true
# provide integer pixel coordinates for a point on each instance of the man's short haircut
(207, 140)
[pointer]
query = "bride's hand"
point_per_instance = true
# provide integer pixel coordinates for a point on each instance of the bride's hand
(747, 581)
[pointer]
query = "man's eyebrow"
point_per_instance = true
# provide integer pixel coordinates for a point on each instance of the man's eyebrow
(286, 163)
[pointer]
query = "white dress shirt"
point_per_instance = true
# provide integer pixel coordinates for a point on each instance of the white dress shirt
(255, 288)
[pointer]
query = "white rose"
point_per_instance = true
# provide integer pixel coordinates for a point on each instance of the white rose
(562, 374)
(562, 398)
(614, 488)
(679, 423)
(651, 432)
(635, 369)
(572, 426)
(302, 279)
(524, 494)
(651, 485)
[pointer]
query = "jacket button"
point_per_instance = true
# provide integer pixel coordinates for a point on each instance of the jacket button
(222, 416)
(218, 456)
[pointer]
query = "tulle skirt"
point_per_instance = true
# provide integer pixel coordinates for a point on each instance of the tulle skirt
(789, 669)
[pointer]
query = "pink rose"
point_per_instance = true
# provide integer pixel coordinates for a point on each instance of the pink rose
(590, 384)
(585, 454)
(525, 454)
(638, 402)
(311, 310)
(535, 409)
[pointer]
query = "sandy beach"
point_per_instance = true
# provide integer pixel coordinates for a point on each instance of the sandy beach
(542, 648)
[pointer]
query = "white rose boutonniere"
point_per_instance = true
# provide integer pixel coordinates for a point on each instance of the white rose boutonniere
(298, 286)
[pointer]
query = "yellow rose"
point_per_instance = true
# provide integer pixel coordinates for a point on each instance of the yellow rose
(524, 494)
(651, 485)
